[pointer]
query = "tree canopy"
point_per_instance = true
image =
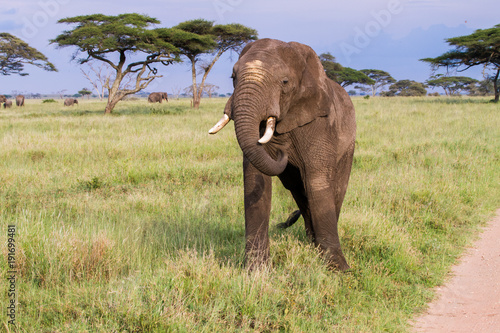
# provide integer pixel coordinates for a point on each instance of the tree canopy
(379, 77)
(452, 85)
(406, 88)
(112, 39)
(481, 48)
(344, 76)
(215, 40)
(15, 53)
(482, 88)
(85, 92)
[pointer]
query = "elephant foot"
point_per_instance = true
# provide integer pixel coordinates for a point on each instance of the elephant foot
(338, 265)
(336, 261)
(290, 221)
(256, 260)
(256, 264)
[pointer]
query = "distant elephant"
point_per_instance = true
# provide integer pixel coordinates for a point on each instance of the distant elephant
(7, 104)
(157, 97)
(2, 99)
(20, 100)
(291, 121)
(70, 101)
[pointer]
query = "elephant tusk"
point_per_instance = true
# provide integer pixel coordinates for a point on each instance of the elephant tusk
(268, 135)
(220, 125)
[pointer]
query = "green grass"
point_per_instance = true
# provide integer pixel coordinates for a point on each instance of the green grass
(134, 222)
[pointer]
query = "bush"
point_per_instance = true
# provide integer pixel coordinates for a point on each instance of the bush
(51, 100)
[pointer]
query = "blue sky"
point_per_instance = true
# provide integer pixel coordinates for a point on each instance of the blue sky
(388, 34)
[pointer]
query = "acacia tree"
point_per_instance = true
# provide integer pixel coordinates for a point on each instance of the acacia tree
(114, 39)
(406, 88)
(481, 48)
(330, 65)
(219, 39)
(85, 92)
(452, 85)
(482, 88)
(379, 77)
(98, 76)
(14, 54)
(344, 76)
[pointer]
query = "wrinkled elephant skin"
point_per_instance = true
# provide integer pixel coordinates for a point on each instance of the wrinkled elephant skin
(291, 121)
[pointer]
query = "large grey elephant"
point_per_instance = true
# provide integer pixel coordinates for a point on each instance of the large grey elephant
(157, 97)
(70, 101)
(291, 121)
(7, 104)
(20, 100)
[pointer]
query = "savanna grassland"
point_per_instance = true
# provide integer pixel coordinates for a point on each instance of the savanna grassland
(134, 222)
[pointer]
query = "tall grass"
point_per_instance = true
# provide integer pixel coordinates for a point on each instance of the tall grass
(134, 222)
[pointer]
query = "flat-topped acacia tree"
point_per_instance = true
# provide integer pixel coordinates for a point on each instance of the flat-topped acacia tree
(481, 48)
(15, 53)
(116, 39)
(381, 78)
(219, 39)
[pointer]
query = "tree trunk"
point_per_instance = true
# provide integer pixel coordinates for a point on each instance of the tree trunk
(111, 105)
(196, 101)
(496, 87)
(113, 97)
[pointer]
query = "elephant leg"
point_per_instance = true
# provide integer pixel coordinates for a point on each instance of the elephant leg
(258, 193)
(342, 179)
(303, 205)
(324, 214)
(292, 181)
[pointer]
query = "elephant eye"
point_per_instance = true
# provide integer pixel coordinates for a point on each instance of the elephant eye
(285, 81)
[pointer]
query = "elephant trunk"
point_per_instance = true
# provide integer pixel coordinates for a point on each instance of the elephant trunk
(249, 111)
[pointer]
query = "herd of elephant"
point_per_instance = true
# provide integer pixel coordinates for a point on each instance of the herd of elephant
(293, 122)
(8, 103)
(156, 97)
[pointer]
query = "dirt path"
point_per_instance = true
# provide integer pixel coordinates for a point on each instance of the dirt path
(470, 301)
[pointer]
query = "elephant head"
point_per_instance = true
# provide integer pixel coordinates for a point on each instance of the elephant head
(2, 99)
(278, 87)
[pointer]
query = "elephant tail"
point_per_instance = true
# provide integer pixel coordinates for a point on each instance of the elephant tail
(290, 220)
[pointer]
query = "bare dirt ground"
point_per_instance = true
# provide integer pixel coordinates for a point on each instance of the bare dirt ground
(470, 300)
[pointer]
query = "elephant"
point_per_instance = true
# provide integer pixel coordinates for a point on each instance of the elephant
(7, 104)
(157, 97)
(20, 100)
(70, 101)
(293, 122)
(2, 99)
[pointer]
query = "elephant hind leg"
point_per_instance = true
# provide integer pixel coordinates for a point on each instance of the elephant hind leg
(324, 217)
(292, 181)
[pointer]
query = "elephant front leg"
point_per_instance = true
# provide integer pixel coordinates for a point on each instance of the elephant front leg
(322, 204)
(258, 192)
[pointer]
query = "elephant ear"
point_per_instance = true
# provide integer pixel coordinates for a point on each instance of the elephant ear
(313, 97)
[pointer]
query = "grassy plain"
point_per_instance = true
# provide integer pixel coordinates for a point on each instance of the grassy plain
(134, 222)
